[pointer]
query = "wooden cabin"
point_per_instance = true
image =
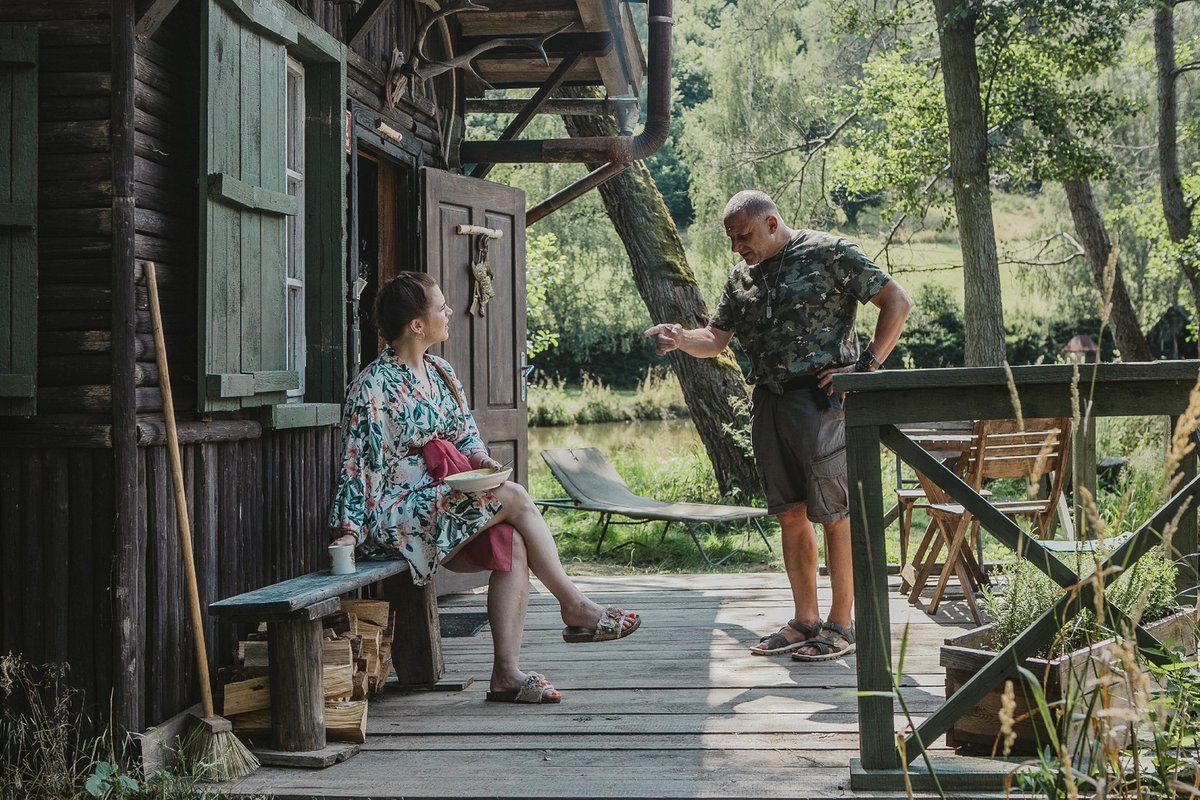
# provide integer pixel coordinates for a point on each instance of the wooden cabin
(277, 162)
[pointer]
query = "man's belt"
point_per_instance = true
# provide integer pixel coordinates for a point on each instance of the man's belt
(798, 383)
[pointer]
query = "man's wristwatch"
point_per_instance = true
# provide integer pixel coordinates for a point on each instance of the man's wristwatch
(866, 362)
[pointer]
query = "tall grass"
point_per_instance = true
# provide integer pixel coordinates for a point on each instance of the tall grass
(658, 396)
(45, 753)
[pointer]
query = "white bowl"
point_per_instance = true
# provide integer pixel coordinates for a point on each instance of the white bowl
(477, 480)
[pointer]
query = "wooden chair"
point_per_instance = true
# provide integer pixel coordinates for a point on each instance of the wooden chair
(1000, 449)
(944, 440)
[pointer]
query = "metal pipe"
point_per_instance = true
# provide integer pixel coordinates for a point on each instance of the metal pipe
(601, 149)
(585, 184)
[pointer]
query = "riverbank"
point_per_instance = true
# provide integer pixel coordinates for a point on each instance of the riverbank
(658, 396)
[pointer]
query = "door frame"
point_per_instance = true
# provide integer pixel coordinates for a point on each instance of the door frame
(363, 134)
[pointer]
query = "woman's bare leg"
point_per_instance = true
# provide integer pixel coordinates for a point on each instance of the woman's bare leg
(519, 511)
(507, 603)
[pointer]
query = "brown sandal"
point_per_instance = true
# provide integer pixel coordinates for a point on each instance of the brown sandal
(611, 625)
(776, 644)
(537, 690)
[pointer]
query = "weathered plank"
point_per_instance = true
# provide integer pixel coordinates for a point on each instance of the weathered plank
(306, 590)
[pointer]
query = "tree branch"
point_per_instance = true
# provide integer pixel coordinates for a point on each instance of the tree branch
(1182, 68)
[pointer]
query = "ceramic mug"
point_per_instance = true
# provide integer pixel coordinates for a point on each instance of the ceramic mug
(341, 558)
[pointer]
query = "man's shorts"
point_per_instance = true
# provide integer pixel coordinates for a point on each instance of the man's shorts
(799, 439)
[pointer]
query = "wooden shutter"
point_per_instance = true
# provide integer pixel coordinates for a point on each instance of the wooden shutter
(485, 350)
(244, 205)
(18, 219)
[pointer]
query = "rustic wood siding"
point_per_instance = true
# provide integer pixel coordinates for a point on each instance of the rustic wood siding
(258, 510)
(369, 60)
(56, 556)
(165, 170)
(74, 202)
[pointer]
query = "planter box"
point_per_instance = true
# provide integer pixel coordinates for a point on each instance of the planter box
(978, 730)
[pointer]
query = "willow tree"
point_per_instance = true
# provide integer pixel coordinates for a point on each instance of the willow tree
(1177, 207)
(713, 388)
(1012, 90)
(983, 316)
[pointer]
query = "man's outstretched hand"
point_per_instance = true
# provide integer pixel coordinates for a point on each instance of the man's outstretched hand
(667, 337)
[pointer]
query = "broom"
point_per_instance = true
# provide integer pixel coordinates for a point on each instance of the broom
(214, 749)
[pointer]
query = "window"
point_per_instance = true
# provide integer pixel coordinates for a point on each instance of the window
(18, 215)
(272, 226)
(294, 114)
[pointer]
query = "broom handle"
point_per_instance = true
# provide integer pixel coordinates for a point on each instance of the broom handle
(185, 531)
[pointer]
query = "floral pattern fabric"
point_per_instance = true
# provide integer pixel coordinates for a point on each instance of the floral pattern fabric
(385, 495)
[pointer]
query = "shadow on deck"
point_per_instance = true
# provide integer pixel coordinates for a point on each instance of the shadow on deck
(681, 709)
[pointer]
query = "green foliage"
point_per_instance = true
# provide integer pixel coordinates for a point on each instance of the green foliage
(108, 782)
(933, 334)
(1145, 591)
(657, 396)
(543, 270)
(1144, 752)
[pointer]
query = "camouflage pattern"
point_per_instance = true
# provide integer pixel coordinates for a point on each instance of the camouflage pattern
(812, 286)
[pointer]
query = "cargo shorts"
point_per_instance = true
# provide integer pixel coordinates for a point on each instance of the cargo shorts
(799, 437)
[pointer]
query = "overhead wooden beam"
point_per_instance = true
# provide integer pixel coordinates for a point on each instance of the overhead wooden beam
(530, 110)
(152, 18)
(362, 21)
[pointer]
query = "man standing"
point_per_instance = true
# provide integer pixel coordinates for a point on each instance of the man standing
(792, 303)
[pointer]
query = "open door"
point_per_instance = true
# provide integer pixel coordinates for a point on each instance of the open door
(486, 349)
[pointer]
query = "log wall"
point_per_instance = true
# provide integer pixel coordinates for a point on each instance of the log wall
(74, 205)
(89, 554)
(257, 509)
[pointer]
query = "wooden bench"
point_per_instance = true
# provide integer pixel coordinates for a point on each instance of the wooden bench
(293, 610)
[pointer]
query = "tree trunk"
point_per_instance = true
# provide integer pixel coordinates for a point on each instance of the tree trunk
(712, 387)
(982, 313)
(1176, 210)
(1089, 226)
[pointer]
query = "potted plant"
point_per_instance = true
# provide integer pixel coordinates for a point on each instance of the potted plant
(1081, 662)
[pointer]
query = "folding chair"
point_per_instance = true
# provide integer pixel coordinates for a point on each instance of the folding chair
(1000, 449)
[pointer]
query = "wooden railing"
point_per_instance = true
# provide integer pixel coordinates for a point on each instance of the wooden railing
(877, 404)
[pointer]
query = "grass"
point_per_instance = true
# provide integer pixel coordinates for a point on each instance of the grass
(45, 755)
(657, 396)
(641, 549)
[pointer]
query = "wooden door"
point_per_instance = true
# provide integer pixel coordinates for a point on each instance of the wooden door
(486, 350)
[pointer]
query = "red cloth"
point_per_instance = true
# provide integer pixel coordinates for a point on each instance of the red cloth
(490, 548)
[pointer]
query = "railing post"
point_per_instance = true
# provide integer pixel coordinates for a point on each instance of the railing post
(877, 743)
(1083, 470)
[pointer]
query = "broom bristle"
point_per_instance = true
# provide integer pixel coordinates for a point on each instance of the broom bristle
(221, 756)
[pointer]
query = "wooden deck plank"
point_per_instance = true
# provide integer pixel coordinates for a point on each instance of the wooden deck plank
(680, 709)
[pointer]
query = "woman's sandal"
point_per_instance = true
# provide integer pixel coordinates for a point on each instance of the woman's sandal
(776, 644)
(833, 643)
(536, 690)
(611, 625)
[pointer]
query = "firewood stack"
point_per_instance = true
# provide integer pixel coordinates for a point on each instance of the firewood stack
(357, 661)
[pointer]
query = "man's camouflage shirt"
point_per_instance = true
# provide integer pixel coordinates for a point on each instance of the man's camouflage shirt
(811, 288)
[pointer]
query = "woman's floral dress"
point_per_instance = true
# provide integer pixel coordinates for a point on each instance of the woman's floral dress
(384, 495)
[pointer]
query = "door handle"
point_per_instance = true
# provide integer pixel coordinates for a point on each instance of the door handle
(526, 370)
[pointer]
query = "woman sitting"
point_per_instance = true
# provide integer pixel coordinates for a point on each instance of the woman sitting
(406, 428)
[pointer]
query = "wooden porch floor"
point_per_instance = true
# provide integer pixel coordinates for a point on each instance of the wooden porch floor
(678, 710)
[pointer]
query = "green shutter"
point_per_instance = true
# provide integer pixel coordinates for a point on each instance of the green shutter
(244, 206)
(18, 220)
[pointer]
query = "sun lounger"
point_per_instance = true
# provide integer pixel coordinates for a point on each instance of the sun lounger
(594, 485)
